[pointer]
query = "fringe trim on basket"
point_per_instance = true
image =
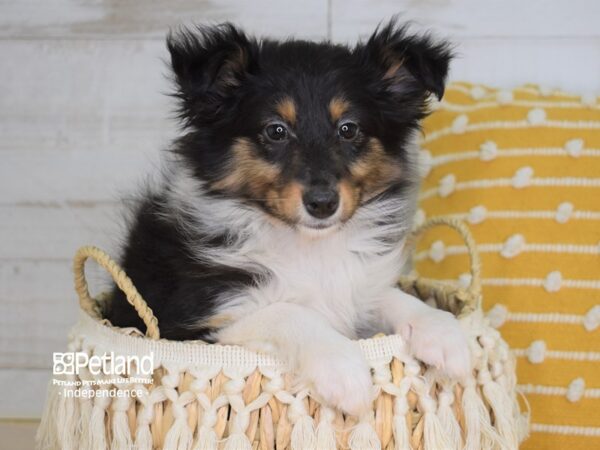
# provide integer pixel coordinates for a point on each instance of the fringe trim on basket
(97, 429)
(121, 435)
(68, 432)
(502, 407)
(86, 406)
(207, 439)
(143, 438)
(434, 435)
(143, 434)
(303, 434)
(47, 432)
(401, 433)
(400, 424)
(480, 435)
(363, 437)
(325, 432)
(448, 420)
(180, 436)
(238, 441)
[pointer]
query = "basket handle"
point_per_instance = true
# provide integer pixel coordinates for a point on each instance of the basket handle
(474, 290)
(121, 279)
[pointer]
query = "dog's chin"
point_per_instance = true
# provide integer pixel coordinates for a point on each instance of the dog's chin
(309, 226)
(318, 230)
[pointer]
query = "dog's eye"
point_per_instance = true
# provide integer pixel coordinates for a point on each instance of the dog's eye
(276, 132)
(348, 130)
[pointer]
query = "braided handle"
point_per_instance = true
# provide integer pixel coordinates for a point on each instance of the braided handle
(474, 290)
(121, 279)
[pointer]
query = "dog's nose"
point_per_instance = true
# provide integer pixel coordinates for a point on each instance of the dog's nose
(321, 202)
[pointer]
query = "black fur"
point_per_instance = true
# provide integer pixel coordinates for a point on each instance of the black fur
(178, 287)
(227, 84)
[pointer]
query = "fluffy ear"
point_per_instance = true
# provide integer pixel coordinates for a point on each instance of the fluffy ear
(209, 63)
(404, 59)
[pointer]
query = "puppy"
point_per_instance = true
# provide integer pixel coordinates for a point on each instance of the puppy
(281, 218)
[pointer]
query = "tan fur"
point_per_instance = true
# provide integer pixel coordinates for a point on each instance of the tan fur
(375, 170)
(218, 321)
(227, 73)
(370, 175)
(260, 180)
(286, 201)
(392, 71)
(287, 110)
(248, 171)
(337, 107)
(393, 63)
(350, 197)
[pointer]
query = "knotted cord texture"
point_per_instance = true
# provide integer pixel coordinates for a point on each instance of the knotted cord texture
(208, 397)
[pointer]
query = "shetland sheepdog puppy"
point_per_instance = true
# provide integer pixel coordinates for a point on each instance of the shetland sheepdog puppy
(280, 220)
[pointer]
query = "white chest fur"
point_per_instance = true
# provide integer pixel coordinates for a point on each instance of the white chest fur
(341, 275)
(331, 277)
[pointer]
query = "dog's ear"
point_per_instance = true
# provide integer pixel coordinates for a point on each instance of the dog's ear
(209, 64)
(407, 63)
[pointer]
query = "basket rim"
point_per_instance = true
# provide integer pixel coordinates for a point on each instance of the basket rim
(95, 333)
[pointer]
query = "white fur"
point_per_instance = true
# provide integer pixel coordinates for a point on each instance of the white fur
(319, 290)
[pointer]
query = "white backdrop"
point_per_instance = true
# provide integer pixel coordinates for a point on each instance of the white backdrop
(83, 114)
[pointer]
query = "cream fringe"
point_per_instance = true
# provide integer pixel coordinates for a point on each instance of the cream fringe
(492, 420)
(325, 432)
(303, 434)
(121, 435)
(68, 411)
(448, 420)
(207, 439)
(363, 437)
(85, 408)
(238, 441)
(46, 436)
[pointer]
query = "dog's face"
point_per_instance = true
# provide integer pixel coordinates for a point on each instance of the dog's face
(308, 132)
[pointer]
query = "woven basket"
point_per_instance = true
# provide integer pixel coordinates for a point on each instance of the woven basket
(225, 397)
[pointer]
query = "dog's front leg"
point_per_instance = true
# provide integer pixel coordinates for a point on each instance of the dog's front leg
(434, 336)
(326, 360)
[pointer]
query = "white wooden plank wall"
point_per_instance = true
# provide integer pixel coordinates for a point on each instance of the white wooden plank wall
(83, 115)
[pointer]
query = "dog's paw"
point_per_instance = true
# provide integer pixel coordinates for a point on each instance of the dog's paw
(435, 337)
(339, 374)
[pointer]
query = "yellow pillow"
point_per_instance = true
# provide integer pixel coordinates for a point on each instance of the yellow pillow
(523, 168)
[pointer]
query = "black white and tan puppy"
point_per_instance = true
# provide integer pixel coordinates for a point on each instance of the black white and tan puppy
(280, 220)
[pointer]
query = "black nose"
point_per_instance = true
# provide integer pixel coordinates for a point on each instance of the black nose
(321, 202)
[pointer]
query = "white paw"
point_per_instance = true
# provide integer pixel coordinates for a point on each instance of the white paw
(235, 335)
(339, 374)
(435, 337)
(259, 346)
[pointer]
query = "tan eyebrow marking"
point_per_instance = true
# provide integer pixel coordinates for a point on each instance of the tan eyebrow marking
(337, 107)
(287, 110)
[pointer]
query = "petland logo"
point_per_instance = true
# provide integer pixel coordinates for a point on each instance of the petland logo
(72, 363)
(84, 376)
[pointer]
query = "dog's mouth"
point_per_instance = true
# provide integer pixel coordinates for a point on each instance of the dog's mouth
(318, 230)
(320, 226)
(317, 227)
